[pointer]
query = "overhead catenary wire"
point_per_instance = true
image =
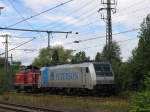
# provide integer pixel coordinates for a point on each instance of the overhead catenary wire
(122, 41)
(135, 11)
(87, 24)
(140, 9)
(69, 14)
(98, 37)
(116, 17)
(132, 5)
(31, 25)
(122, 9)
(21, 16)
(19, 45)
(40, 13)
(27, 49)
(26, 19)
(20, 37)
(79, 20)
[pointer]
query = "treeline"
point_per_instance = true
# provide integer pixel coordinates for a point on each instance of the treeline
(59, 55)
(137, 70)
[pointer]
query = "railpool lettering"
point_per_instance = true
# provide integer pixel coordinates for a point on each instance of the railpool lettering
(65, 76)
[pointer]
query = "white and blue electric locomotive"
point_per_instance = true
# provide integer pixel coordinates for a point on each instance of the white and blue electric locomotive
(88, 75)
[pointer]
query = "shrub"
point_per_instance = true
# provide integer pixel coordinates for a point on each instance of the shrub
(147, 81)
(3, 81)
(140, 102)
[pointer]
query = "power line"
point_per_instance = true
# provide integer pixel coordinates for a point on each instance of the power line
(28, 49)
(16, 10)
(122, 9)
(79, 20)
(122, 41)
(18, 46)
(21, 16)
(15, 36)
(49, 32)
(71, 13)
(40, 13)
(132, 5)
(88, 24)
(135, 11)
(128, 13)
(90, 39)
(132, 30)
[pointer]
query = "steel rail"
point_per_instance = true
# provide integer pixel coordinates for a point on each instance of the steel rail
(25, 108)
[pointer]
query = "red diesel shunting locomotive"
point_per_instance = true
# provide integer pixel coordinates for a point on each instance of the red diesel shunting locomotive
(27, 78)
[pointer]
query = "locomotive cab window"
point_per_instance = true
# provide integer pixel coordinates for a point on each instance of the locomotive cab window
(103, 70)
(87, 70)
(106, 68)
(98, 67)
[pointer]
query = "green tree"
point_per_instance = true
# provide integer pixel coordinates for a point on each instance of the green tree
(4, 80)
(114, 51)
(2, 61)
(124, 78)
(98, 57)
(7, 79)
(139, 62)
(80, 57)
(116, 61)
(53, 55)
(147, 82)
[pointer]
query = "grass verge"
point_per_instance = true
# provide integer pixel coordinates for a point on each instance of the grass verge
(74, 103)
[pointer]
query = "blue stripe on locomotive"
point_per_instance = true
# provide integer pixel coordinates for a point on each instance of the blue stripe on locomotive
(44, 76)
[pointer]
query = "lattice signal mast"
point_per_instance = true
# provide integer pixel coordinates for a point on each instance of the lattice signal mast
(109, 7)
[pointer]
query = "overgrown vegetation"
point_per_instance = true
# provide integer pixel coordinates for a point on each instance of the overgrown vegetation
(140, 102)
(141, 75)
(73, 104)
(3, 81)
(6, 79)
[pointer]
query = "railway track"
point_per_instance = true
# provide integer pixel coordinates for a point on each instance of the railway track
(24, 108)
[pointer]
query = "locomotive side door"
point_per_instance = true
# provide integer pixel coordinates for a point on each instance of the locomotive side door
(84, 76)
